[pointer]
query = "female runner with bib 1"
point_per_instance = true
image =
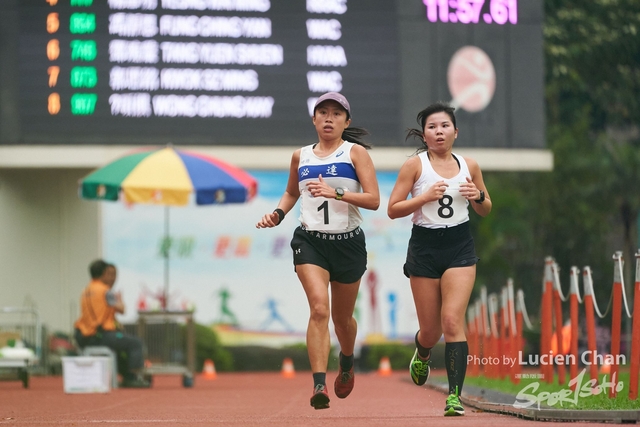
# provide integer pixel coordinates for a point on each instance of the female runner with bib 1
(441, 258)
(333, 177)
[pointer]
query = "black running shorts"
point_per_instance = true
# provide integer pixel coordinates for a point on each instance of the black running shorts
(343, 255)
(432, 251)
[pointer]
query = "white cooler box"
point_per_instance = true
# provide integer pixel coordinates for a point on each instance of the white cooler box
(86, 374)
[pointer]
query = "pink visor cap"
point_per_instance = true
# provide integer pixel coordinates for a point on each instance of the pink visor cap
(334, 96)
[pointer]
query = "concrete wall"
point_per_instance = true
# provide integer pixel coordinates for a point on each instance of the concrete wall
(48, 237)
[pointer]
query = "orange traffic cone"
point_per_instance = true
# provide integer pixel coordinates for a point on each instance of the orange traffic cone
(384, 369)
(606, 365)
(209, 370)
(287, 368)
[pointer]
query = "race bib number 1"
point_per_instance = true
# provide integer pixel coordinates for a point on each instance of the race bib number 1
(320, 213)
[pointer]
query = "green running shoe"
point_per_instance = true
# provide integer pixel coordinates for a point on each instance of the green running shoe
(453, 407)
(419, 369)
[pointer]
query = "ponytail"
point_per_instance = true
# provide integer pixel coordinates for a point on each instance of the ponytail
(355, 135)
(417, 134)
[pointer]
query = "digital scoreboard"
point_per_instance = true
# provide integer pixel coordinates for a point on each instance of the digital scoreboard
(247, 72)
(202, 71)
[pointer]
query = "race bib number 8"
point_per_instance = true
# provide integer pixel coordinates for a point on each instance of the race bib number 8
(324, 214)
(450, 209)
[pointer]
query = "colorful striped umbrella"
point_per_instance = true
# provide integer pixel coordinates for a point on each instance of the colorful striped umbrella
(168, 176)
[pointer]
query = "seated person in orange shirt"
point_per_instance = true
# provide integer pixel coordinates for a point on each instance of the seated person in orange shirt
(97, 324)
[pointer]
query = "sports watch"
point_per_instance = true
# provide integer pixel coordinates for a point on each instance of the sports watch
(481, 199)
(339, 193)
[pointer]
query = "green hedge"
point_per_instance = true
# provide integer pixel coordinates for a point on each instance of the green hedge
(399, 356)
(257, 358)
(208, 347)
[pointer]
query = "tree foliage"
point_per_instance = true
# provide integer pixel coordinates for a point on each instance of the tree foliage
(588, 206)
(592, 57)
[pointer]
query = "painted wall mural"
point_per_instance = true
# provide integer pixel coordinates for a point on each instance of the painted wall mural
(231, 273)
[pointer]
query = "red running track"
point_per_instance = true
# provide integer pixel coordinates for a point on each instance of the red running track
(240, 399)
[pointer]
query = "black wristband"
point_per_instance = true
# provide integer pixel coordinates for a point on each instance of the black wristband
(280, 213)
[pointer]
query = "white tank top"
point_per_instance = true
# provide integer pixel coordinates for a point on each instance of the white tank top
(449, 211)
(327, 214)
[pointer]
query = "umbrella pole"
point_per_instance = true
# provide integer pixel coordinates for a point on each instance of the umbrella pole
(166, 258)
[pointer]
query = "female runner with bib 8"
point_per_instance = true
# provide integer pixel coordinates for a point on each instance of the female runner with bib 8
(441, 258)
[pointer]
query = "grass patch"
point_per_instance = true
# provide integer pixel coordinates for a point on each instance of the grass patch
(560, 396)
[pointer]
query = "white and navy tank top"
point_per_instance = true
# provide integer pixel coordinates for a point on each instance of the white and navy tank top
(327, 214)
(449, 211)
